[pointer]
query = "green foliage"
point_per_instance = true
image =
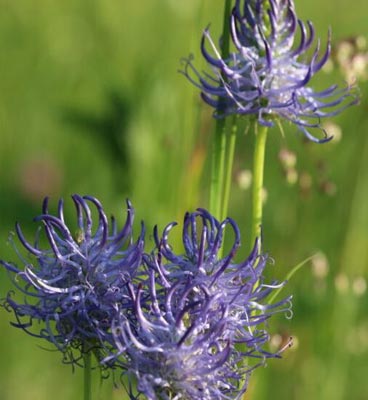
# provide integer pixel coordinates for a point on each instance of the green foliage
(91, 102)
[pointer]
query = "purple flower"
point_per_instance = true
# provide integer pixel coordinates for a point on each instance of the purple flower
(199, 325)
(181, 349)
(74, 286)
(268, 75)
(241, 285)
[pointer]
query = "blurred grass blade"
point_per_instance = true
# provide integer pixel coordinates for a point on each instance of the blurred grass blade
(290, 275)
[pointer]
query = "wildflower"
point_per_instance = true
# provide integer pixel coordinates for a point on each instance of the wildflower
(268, 75)
(73, 286)
(199, 317)
(180, 351)
(241, 285)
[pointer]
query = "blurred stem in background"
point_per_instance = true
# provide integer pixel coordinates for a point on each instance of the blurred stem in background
(192, 173)
(354, 259)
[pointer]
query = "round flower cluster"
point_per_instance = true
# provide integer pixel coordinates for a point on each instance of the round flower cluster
(181, 324)
(268, 74)
(77, 282)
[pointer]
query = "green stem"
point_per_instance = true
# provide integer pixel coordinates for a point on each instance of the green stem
(87, 376)
(225, 47)
(219, 142)
(217, 168)
(258, 168)
(229, 167)
(257, 185)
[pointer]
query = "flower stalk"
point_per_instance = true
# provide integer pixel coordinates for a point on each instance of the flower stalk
(219, 141)
(87, 372)
(217, 167)
(230, 151)
(257, 186)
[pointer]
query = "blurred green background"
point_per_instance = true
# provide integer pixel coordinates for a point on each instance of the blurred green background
(91, 102)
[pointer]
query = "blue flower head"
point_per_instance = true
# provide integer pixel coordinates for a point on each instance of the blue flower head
(203, 264)
(199, 326)
(73, 286)
(269, 73)
(180, 349)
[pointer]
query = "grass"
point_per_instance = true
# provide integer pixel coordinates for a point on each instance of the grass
(91, 102)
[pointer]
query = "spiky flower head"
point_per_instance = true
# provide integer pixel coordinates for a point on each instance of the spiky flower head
(205, 265)
(74, 284)
(268, 75)
(198, 329)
